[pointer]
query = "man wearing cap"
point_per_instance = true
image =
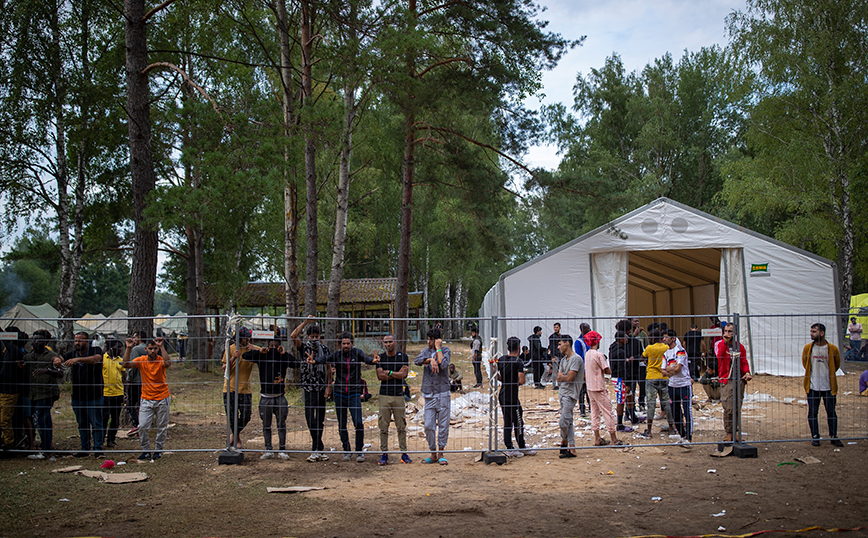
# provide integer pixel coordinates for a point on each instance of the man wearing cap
(596, 369)
(238, 416)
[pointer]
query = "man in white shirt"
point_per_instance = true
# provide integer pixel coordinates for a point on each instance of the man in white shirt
(821, 360)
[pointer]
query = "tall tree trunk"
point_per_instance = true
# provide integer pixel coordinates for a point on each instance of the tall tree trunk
(343, 195)
(65, 298)
(290, 187)
(402, 299)
(312, 255)
(143, 279)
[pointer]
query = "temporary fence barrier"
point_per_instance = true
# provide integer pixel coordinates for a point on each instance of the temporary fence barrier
(774, 408)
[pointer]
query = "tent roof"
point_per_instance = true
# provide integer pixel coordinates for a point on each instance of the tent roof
(649, 226)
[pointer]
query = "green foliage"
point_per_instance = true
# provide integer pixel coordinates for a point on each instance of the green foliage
(806, 146)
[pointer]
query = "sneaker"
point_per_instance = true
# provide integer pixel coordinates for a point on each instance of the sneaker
(837, 443)
(37, 456)
(322, 457)
(158, 455)
(529, 452)
(283, 455)
(80, 455)
(384, 459)
(360, 458)
(815, 442)
(514, 454)
(347, 457)
(405, 459)
(99, 456)
(313, 458)
(644, 435)
(145, 456)
(685, 443)
(267, 455)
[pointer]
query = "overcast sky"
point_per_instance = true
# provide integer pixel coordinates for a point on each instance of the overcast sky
(638, 30)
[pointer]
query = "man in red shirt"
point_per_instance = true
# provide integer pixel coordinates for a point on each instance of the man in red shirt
(155, 394)
(725, 371)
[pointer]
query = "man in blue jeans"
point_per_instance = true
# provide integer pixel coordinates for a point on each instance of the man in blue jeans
(85, 364)
(348, 388)
(821, 360)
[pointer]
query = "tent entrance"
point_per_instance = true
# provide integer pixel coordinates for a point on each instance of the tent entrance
(662, 283)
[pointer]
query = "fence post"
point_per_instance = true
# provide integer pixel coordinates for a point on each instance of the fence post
(493, 455)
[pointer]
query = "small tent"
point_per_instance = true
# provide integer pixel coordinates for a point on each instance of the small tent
(29, 318)
(665, 260)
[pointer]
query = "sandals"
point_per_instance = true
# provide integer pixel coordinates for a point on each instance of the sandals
(620, 443)
(428, 461)
(603, 442)
(567, 454)
(442, 461)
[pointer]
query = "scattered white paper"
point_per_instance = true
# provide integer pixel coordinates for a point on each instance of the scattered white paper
(721, 513)
(712, 471)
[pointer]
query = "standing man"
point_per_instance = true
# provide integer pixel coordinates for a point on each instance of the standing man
(46, 372)
(571, 376)
(855, 330)
(821, 360)
(555, 353)
(392, 370)
(134, 381)
(596, 369)
(656, 383)
(694, 345)
(113, 390)
(316, 383)
(623, 389)
(12, 372)
(476, 356)
(348, 391)
(435, 389)
(272, 362)
(238, 415)
(581, 348)
(677, 369)
(156, 399)
(642, 336)
(510, 373)
(537, 356)
(85, 364)
(726, 372)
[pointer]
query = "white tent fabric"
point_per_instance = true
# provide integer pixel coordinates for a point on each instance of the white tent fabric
(609, 283)
(679, 261)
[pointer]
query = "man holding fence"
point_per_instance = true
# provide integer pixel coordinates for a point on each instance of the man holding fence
(821, 360)
(725, 372)
(392, 370)
(435, 390)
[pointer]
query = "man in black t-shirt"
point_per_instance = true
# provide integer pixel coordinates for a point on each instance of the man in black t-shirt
(392, 370)
(510, 373)
(85, 365)
(694, 344)
(272, 362)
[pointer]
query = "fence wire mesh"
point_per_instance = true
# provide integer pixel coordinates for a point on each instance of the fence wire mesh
(92, 406)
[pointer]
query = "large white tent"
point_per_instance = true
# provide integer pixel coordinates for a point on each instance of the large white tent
(665, 260)
(30, 318)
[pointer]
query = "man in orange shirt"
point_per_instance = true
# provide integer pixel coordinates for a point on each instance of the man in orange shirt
(156, 398)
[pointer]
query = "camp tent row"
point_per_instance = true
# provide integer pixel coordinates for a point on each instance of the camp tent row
(668, 259)
(30, 318)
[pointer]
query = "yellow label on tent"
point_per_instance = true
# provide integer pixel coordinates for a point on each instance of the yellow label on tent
(759, 269)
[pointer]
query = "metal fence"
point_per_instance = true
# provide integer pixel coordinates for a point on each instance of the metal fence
(774, 408)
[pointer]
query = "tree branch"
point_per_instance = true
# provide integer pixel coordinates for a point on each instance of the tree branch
(468, 61)
(157, 9)
(187, 79)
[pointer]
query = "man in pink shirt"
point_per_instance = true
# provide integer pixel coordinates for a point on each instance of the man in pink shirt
(596, 365)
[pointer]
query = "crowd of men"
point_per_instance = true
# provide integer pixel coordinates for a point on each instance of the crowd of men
(647, 368)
